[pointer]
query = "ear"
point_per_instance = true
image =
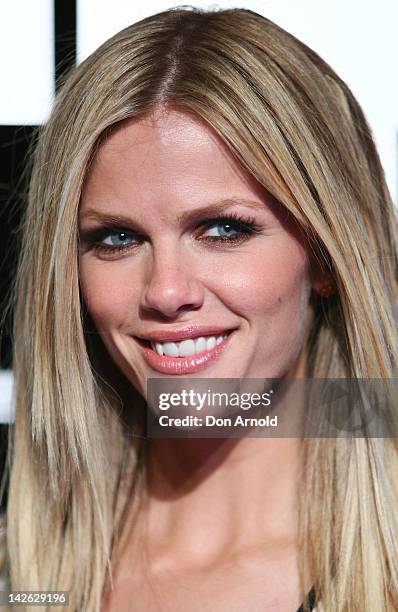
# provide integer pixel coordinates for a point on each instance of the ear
(324, 285)
(322, 281)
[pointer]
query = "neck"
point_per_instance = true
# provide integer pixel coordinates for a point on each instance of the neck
(241, 491)
(210, 497)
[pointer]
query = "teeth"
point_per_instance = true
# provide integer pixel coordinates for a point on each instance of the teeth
(200, 345)
(158, 347)
(188, 347)
(170, 348)
(211, 343)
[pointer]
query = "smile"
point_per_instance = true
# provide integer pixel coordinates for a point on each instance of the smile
(185, 357)
(189, 347)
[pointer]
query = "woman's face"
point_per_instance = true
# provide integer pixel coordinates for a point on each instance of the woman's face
(160, 259)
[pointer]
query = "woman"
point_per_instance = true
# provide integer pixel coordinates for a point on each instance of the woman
(202, 174)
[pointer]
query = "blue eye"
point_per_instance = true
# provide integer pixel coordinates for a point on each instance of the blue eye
(227, 226)
(116, 238)
(231, 229)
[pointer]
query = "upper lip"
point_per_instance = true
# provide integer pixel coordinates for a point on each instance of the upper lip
(192, 331)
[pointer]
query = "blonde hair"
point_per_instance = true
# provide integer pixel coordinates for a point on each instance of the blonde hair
(296, 127)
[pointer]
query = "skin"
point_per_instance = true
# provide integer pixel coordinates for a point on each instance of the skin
(219, 515)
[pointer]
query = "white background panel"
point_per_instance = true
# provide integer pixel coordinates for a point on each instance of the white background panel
(358, 38)
(27, 61)
(6, 399)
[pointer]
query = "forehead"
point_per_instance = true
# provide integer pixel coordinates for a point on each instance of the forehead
(174, 156)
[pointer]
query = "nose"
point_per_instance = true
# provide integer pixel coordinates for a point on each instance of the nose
(172, 286)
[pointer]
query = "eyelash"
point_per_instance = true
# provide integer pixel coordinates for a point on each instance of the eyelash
(246, 226)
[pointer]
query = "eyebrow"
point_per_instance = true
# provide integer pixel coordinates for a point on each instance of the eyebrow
(189, 216)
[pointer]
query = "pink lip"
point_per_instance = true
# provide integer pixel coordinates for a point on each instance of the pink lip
(191, 331)
(182, 365)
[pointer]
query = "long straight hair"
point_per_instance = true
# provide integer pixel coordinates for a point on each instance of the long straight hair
(76, 465)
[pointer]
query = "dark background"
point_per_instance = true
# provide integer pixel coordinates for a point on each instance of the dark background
(16, 144)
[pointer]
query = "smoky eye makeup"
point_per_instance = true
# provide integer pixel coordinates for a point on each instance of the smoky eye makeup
(222, 230)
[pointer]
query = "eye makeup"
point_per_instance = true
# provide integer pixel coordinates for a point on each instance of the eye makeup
(108, 240)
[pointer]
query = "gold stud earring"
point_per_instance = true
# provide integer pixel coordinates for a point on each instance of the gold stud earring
(326, 290)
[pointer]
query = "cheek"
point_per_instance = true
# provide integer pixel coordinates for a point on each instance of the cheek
(106, 294)
(272, 282)
(277, 306)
